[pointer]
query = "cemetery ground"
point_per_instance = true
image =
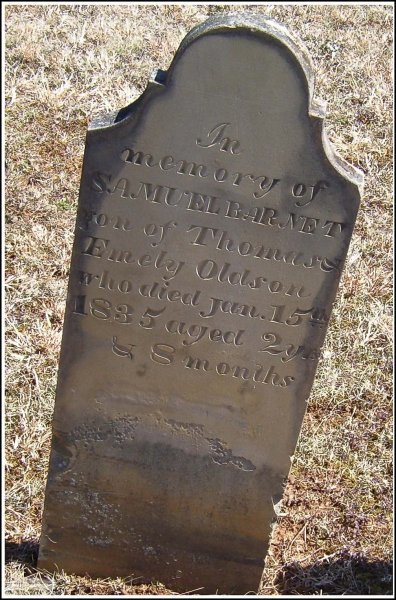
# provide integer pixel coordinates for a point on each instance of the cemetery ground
(64, 65)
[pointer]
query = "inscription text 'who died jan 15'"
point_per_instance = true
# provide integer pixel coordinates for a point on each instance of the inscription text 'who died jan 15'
(212, 229)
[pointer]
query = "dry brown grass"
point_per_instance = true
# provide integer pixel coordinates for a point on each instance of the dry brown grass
(64, 64)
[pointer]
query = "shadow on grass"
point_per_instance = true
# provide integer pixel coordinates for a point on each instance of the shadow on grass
(344, 573)
(25, 553)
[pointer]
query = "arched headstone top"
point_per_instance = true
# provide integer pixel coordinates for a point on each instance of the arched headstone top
(260, 26)
(211, 70)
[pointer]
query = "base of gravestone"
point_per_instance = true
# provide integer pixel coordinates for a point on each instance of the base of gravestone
(209, 575)
(217, 550)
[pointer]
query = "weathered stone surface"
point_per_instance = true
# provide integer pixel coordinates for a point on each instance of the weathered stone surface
(212, 229)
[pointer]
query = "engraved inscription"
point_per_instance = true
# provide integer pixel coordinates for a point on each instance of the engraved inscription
(306, 194)
(215, 138)
(101, 182)
(103, 309)
(208, 271)
(89, 218)
(164, 354)
(199, 202)
(122, 349)
(194, 333)
(102, 248)
(286, 352)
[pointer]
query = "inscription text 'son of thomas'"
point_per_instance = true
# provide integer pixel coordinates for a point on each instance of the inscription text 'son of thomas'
(212, 229)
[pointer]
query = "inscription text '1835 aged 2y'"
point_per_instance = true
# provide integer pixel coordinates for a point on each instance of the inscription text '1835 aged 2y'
(212, 229)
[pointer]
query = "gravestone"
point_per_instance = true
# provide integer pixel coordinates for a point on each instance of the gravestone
(212, 228)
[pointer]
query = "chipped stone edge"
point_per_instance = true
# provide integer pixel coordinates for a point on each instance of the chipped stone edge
(256, 24)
